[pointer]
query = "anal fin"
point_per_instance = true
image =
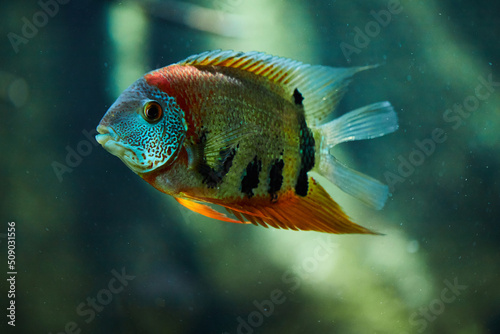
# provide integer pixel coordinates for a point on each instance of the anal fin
(315, 212)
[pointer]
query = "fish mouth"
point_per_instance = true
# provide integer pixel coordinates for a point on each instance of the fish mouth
(110, 141)
(105, 134)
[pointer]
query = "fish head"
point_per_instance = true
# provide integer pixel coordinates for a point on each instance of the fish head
(145, 128)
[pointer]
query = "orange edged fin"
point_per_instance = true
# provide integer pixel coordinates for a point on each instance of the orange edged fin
(206, 211)
(315, 212)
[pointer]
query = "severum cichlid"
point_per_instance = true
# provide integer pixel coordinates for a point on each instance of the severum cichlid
(243, 130)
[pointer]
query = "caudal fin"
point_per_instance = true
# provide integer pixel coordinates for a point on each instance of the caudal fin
(368, 122)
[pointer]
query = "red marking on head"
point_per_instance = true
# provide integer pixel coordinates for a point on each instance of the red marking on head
(179, 81)
(161, 78)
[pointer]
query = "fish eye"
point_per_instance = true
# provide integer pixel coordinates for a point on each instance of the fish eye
(152, 112)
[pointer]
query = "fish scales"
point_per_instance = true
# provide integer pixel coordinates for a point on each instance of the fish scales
(259, 107)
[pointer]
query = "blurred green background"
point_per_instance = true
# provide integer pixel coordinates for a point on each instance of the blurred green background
(437, 268)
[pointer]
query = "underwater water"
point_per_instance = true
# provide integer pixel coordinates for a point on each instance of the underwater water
(95, 249)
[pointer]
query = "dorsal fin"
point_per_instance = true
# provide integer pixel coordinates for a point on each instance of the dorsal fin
(322, 87)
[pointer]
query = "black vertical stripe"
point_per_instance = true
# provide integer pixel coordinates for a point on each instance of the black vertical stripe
(306, 157)
(275, 178)
(297, 97)
(251, 177)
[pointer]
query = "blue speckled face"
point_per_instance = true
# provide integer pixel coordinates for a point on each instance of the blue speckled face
(144, 128)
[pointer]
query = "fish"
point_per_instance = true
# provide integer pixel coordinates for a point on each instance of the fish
(244, 131)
